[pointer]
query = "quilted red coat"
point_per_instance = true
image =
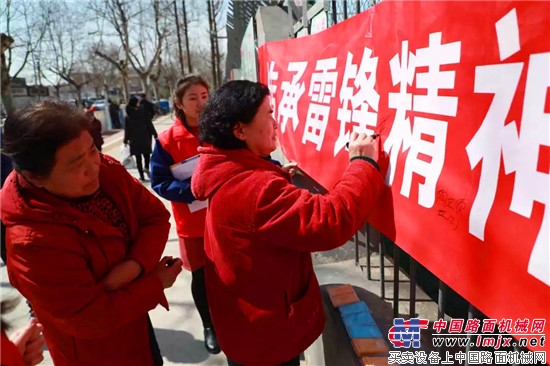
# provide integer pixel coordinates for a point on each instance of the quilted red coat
(262, 291)
(58, 256)
(9, 354)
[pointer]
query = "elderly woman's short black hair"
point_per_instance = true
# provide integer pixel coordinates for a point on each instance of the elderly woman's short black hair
(234, 102)
(33, 135)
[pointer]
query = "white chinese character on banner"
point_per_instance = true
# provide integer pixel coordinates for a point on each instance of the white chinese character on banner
(361, 107)
(427, 136)
(520, 152)
(323, 81)
(292, 92)
(316, 124)
(321, 90)
(272, 76)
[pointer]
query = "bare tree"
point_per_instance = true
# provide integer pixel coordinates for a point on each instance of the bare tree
(178, 33)
(130, 19)
(118, 14)
(186, 22)
(7, 97)
(170, 68)
(205, 68)
(142, 62)
(155, 77)
(189, 17)
(55, 80)
(64, 48)
(214, 9)
(102, 72)
(24, 26)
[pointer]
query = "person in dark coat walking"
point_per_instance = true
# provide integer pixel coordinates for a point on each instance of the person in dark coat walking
(95, 130)
(114, 112)
(147, 107)
(138, 132)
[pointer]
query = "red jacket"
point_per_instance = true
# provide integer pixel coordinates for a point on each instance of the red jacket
(173, 146)
(262, 291)
(9, 354)
(58, 257)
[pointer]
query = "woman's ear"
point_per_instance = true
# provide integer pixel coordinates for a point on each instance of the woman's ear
(177, 103)
(238, 131)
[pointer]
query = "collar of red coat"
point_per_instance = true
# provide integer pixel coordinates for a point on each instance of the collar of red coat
(180, 129)
(22, 201)
(177, 132)
(216, 166)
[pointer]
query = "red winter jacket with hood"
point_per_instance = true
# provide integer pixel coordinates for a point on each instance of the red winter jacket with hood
(58, 257)
(262, 291)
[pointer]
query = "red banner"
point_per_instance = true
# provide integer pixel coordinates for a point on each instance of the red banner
(459, 92)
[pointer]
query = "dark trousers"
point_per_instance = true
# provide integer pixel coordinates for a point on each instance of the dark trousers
(198, 289)
(155, 350)
(294, 362)
(139, 164)
(115, 121)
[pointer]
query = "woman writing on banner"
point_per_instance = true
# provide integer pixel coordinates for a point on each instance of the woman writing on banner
(84, 241)
(264, 297)
(179, 143)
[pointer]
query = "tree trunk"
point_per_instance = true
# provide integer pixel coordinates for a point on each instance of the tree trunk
(57, 90)
(155, 87)
(7, 99)
(78, 89)
(5, 88)
(179, 37)
(125, 82)
(212, 46)
(216, 50)
(187, 48)
(143, 79)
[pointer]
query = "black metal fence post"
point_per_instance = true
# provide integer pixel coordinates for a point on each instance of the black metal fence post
(396, 251)
(412, 288)
(441, 309)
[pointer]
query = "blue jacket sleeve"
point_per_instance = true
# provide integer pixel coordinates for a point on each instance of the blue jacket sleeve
(271, 160)
(276, 162)
(162, 181)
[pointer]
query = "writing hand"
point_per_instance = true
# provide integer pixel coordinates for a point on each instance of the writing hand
(290, 168)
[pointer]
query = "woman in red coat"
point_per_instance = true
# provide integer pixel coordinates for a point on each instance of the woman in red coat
(264, 297)
(173, 146)
(84, 241)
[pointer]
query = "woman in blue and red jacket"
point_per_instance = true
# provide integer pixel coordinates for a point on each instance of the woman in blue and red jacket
(173, 146)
